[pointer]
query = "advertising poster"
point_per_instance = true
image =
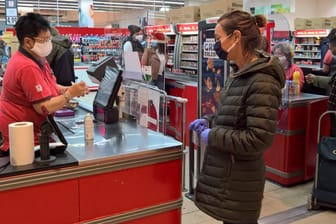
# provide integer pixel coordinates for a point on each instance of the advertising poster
(212, 74)
(149, 103)
(86, 13)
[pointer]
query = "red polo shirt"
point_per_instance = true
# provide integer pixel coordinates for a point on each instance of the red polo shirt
(25, 83)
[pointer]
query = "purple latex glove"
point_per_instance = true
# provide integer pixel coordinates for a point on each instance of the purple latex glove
(199, 125)
(204, 136)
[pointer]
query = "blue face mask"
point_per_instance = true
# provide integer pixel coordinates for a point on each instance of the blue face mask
(219, 51)
(154, 44)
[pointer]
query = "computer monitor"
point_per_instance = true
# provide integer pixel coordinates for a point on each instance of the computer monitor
(97, 69)
(106, 96)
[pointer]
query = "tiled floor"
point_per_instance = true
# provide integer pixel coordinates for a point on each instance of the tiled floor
(281, 205)
(278, 202)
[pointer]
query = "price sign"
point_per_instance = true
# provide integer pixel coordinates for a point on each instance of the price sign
(11, 20)
(11, 12)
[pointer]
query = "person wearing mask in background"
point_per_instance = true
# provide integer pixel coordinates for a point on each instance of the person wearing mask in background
(285, 54)
(328, 58)
(156, 58)
(134, 40)
(230, 186)
(61, 58)
(29, 91)
(328, 82)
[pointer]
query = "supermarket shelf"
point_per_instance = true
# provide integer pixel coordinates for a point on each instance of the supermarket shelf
(188, 59)
(186, 67)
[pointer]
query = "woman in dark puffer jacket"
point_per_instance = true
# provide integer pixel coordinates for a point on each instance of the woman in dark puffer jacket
(231, 185)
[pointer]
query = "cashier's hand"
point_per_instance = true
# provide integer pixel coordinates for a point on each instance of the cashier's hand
(78, 89)
(310, 78)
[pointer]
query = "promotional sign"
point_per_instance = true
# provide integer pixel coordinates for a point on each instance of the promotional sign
(310, 33)
(187, 28)
(11, 12)
(213, 70)
(86, 13)
(166, 29)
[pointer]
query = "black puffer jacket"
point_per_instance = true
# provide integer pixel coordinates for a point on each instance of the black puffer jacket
(231, 184)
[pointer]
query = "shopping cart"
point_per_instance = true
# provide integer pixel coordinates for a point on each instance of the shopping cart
(324, 188)
(195, 161)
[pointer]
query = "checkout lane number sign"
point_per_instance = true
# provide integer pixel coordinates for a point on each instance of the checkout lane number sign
(11, 12)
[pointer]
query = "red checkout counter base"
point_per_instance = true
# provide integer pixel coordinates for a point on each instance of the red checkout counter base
(291, 158)
(134, 176)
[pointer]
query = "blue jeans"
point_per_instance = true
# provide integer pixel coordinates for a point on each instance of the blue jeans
(159, 82)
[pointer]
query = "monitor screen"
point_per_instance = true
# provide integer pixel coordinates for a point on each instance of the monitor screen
(97, 69)
(108, 88)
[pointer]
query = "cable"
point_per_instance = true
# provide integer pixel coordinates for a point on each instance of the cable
(3, 167)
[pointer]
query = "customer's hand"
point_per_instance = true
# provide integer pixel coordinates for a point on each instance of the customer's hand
(199, 125)
(205, 136)
(310, 78)
(78, 89)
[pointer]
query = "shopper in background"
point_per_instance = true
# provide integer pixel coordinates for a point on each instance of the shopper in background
(156, 57)
(328, 82)
(2, 49)
(134, 40)
(285, 54)
(324, 48)
(231, 184)
(328, 58)
(2, 55)
(61, 58)
(29, 91)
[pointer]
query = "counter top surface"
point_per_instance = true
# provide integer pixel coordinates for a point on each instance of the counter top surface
(190, 79)
(307, 96)
(111, 140)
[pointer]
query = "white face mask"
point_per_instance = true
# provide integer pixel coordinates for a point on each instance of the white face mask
(42, 49)
(283, 60)
(139, 37)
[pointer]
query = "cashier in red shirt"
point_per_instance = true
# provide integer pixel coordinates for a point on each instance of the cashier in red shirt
(29, 91)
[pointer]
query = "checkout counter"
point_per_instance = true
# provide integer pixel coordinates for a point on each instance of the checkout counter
(127, 174)
(291, 158)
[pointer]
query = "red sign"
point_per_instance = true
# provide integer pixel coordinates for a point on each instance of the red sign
(161, 28)
(187, 27)
(212, 20)
(309, 33)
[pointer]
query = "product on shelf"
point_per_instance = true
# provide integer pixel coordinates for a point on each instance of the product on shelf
(307, 51)
(187, 52)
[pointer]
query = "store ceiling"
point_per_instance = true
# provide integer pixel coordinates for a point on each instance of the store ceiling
(99, 5)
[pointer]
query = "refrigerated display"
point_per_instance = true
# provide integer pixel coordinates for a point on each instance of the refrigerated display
(307, 52)
(169, 31)
(213, 71)
(186, 53)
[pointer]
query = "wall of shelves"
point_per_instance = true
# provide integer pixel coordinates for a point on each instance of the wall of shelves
(307, 51)
(170, 48)
(187, 53)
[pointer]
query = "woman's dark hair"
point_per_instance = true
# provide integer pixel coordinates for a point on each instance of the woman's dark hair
(246, 24)
(30, 25)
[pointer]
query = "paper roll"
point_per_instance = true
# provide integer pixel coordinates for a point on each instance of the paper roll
(21, 143)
